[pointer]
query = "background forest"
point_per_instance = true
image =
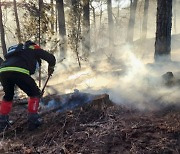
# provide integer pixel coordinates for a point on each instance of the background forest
(82, 27)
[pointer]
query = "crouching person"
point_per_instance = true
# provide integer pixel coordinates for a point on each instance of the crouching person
(20, 62)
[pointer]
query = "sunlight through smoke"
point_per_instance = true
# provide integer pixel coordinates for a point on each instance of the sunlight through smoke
(135, 67)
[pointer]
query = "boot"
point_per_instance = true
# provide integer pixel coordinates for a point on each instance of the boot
(34, 121)
(4, 122)
(5, 108)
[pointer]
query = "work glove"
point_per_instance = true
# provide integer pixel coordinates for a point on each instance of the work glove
(50, 70)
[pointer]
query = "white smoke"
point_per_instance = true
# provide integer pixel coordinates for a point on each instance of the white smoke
(126, 78)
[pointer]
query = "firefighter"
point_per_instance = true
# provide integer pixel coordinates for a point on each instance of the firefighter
(20, 62)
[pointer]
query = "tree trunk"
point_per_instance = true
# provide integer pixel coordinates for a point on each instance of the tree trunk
(52, 16)
(17, 21)
(39, 35)
(174, 14)
(61, 17)
(118, 14)
(94, 21)
(40, 18)
(110, 23)
(100, 15)
(145, 19)
(86, 28)
(163, 30)
(3, 43)
(76, 28)
(56, 20)
(62, 27)
(130, 31)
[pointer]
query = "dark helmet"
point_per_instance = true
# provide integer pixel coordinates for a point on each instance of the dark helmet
(28, 43)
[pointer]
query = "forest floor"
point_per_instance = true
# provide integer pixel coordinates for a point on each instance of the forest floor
(98, 126)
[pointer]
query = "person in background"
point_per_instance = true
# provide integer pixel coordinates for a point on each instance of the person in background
(20, 62)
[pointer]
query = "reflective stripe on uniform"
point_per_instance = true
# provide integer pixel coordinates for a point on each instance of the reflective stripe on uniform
(16, 69)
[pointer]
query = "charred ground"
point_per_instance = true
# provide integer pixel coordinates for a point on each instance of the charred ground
(99, 127)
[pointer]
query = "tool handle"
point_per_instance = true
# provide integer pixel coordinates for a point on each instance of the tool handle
(42, 91)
